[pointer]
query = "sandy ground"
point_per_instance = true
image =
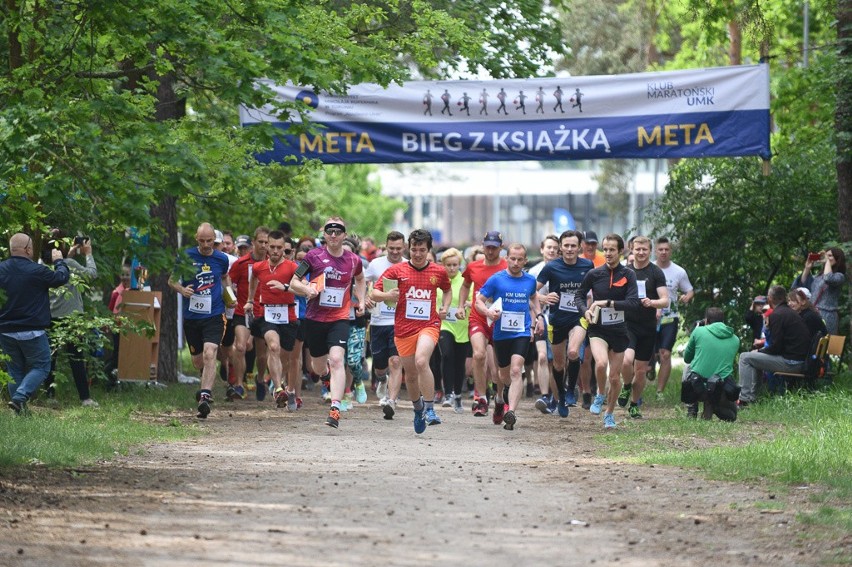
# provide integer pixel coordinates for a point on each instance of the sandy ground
(269, 487)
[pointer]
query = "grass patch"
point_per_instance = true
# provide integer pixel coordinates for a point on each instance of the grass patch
(65, 434)
(780, 443)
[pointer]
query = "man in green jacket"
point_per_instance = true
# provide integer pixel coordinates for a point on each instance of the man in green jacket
(710, 353)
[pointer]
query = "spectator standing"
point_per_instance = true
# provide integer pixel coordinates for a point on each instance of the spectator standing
(24, 316)
(65, 302)
(825, 287)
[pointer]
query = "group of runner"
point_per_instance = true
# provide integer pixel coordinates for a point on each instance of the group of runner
(579, 302)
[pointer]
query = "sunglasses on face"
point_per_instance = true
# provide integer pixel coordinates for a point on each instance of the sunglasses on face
(333, 231)
(288, 250)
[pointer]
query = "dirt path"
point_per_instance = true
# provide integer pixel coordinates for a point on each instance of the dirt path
(268, 487)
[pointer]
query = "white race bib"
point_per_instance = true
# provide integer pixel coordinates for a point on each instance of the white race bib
(641, 285)
(451, 316)
(278, 314)
(331, 297)
(418, 309)
(387, 310)
(512, 321)
(611, 316)
(201, 304)
(566, 302)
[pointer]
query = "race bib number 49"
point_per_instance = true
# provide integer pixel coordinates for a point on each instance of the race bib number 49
(201, 304)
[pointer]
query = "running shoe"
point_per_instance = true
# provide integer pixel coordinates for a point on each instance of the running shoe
(280, 397)
(634, 411)
(419, 421)
(448, 400)
(204, 406)
(439, 397)
(383, 401)
(563, 408)
(543, 404)
(480, 407)
(551, 405)
(457, 404)
(499, 411)
(609, 421)
(624, 395)
(239, 392)
(345, 404)
(587, 401)
(432, 417)
(292, 402)
(382, 389)
(230, 394)
(259, 389)
(326, 394)
(571, 398)
(360, 393)
(661, 397)
(333, 419)
(692, 411)
(597, 406)
(509, 420)
(298, 402)
(388, 409)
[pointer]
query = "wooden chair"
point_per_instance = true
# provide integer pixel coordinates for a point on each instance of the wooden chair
(819, 355)
(835, 348)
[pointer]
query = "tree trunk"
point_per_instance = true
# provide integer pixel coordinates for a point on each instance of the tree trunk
(735, 49)
(169, 107)
(843, 120)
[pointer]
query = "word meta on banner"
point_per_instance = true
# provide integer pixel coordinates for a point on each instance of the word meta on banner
(715, 112)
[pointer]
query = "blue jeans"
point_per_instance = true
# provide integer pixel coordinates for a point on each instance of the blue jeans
(750, 365)
(28, 366)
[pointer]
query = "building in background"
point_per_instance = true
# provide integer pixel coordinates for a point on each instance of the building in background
(460, 202)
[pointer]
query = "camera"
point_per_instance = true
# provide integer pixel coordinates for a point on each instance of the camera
(80, 240)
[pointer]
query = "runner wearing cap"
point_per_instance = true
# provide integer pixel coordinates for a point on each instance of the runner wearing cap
(590, 249)
(333, 270)
(476, 274)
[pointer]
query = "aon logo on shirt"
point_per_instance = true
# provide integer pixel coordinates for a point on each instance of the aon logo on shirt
(415, 293)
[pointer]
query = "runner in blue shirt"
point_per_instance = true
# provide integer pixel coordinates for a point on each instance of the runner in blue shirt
(204, 309)
(512, 323)
(563, 277)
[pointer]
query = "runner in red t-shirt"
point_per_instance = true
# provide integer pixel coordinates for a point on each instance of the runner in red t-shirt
(476, 274)
(270, 284)
(417, 324)
(240, 274)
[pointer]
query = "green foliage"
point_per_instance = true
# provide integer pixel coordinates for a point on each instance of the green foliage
(108, 108)
(738, 231)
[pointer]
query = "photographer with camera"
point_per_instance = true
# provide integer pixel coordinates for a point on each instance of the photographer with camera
(24, 316)
(66, 301)
(710, 354)
(826, 285)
